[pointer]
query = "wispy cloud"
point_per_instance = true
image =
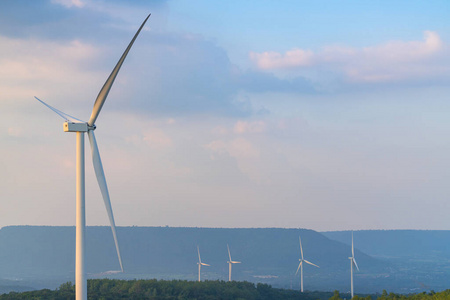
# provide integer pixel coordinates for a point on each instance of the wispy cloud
(31, 67)
(291, 59)
(389, 62)
(69, 3)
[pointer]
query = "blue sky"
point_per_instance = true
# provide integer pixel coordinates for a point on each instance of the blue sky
(326, 115)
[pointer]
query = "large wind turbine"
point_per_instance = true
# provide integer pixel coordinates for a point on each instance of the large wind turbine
(80, 127)
(300, 265)
(200, 264)
(352, 263)
(230, 262)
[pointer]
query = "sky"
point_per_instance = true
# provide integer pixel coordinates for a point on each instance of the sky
(327, 115)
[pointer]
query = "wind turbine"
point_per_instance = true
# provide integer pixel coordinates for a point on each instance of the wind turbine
(230, 262)
(352, 262)
(200, 264)
(300, 265)
(80, 127)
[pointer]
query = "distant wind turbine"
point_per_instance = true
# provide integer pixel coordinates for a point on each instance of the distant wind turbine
(230, 262)
(352, 263)
(200, 264)
(300, 265)
(80, 127)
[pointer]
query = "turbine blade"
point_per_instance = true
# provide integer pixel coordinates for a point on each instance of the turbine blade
(203, 264)
(229, 255)
(235, 262)
(199, 259)
(60, 113)
(308, 262)
(301, 248)
(354, 262)
(100, 174)
(109, 82)
(299, 265)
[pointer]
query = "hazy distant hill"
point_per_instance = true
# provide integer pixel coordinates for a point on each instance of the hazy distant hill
(269, 255)
(399, 261)
(398, 243)
(417, 257)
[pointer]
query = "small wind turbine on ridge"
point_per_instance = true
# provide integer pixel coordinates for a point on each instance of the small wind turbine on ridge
(300, 265)
(72, 124)
(352, 263)
(200, 264)
(230, 263)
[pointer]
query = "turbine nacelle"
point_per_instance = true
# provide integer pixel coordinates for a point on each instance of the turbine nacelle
(233, 262)
(203, 264)
(77, 127)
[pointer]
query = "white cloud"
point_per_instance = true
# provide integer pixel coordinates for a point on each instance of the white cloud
(291, 59)
(69, 3)
(398, 51)
(389, 62)
(31, 67)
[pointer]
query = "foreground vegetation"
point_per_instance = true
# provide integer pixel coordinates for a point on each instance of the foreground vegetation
(168, 290)
(392, 296)
(207, 290)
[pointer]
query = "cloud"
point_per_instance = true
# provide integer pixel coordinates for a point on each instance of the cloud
(34, 67)
(166, 74)
(242, 127)
(91, 20)
(291, 59)
(261, 82)
(393, 61)
(174, 74)
(181, 74)
(69, 3)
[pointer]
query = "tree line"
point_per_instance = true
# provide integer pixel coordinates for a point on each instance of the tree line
(110, 289)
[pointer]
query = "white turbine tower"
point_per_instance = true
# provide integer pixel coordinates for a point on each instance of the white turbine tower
(352, 263)
(200, 264)
(80, 127)
(300, 265)
(230, 262)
